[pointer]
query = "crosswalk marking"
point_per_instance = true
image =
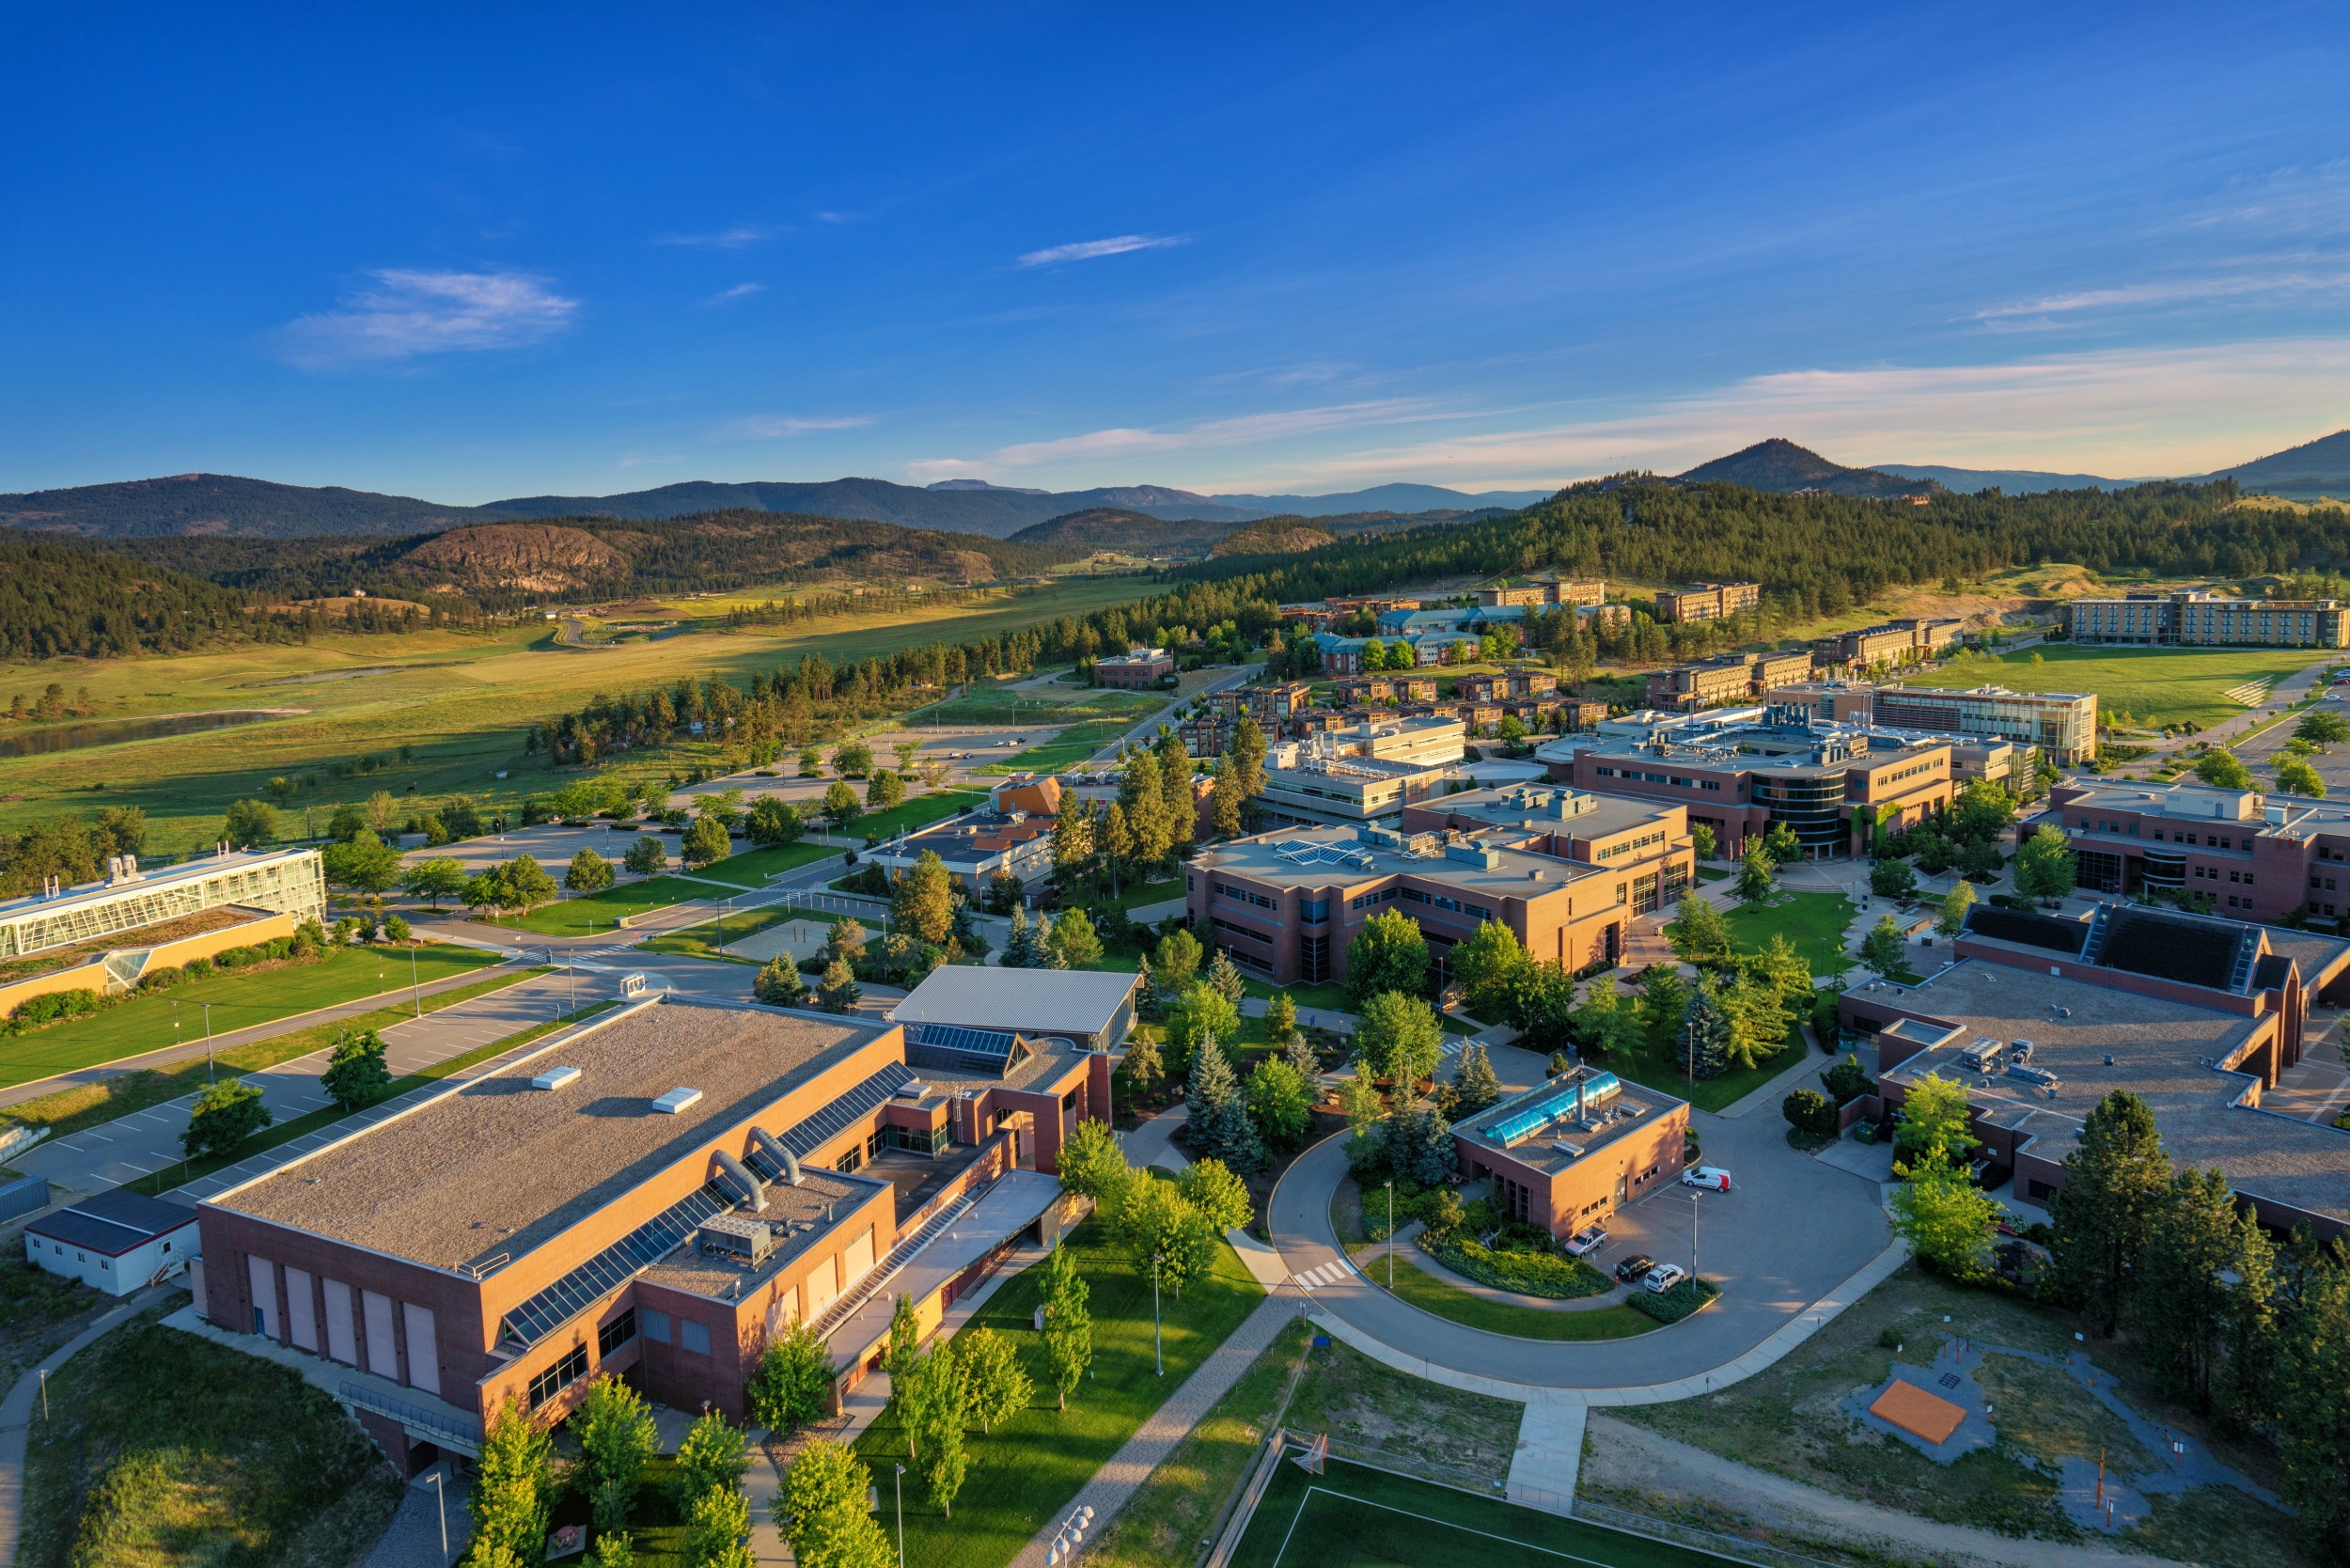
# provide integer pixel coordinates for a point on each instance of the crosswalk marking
(1325, 1275)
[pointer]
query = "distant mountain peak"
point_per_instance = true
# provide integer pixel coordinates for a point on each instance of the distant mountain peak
(1779, 465)
(982, 484)
(2323, 462)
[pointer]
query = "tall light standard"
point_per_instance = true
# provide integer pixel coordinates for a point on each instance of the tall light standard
(1693, 1236)
(442, 1498)
(902, 1517)
(414, 984)
(1390, 1186)
(1158, 1349)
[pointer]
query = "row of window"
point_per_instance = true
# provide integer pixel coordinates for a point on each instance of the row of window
(1444, 901)
(2213, 840)
(2212, 874)
(1243, 894)
(1631, 846)
(1243, 931)
(1635, 774)
(1910, 772)
(1364, 901)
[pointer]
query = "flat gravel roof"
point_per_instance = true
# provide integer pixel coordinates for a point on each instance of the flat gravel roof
(501, 1167)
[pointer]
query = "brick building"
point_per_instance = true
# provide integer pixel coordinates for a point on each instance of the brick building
(1569, 591)
(1285, 904)
(2256, 858)
(1891, 642)
(1383, 690)
(2042, 1016)
(1707, 601)
(1726, 678)
(2207, 620)
(1829, 784)
(2061, 725)
(652, 1196)
(1144, 667)
(1571, 1151)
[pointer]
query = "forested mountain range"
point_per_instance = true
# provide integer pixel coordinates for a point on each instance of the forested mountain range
(2317, 467)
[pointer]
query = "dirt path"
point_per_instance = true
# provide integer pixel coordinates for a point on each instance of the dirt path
(1626, 1458)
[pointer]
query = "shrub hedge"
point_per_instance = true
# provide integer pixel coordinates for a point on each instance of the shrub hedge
(1541, 1274)
(1677, 1303)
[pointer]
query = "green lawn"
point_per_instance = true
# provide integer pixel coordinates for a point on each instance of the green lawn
(1815, 923)
(1710, 1095)
(707, 939)
(913, 815)
(1131, 896)
(142, 1022)
(602, 912)
(1428, 1293)
(752, 868)
(1055, 705)
(1024, 1476)
(1068, 748)
(2156, 685)
(162, 1448)
(1355, 1516)
(70, 1110)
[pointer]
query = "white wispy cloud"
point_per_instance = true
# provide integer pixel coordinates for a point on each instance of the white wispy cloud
(742, 234)
(739, 291)
(412, 313)
(2178, 292)
(640, 460)
(777, 427)
(924, 470)
(2121, 413)
(1087, 250)
(1215, 432)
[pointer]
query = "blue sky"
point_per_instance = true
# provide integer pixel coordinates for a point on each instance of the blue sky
(503, 251)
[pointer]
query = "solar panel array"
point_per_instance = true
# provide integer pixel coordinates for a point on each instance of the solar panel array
(953, 1048)
(608, 1269)
(646, 1246)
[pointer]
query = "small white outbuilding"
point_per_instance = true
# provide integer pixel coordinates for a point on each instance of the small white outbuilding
(116, 1242)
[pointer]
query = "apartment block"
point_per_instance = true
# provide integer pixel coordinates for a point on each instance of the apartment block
(1383, 690)
(2195, 618)
(1707, 601)
(1569, 591)
(1893, 642)
(1726, 678)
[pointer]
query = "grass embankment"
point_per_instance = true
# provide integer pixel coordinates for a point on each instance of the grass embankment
(1045, 705)
(318, 1120)
(1410, 1423)
(462, 701)
(166, 1448)
(2153, 685)
(1790, 1420)
(1431, 1294)
(1024, 1475)
(70, 1110)
(240, 1000)
(1354, 1515)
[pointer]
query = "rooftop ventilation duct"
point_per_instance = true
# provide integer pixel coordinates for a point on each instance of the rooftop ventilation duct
(678, 1100)
(739, 1176)
(555, 1077)
(775, 1150)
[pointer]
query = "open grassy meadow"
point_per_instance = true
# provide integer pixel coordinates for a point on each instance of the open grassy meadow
(461, 701)
(2153, 685)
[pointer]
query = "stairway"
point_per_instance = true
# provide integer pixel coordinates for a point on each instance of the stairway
(893, 1262)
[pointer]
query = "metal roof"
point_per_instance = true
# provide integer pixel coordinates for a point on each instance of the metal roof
(1071, 1002)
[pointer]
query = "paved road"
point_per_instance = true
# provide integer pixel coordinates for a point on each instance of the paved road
(1792, 1232)
(149, 1140)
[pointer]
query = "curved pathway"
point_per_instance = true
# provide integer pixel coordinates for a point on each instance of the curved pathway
(22, 1409)
(1791, 1247)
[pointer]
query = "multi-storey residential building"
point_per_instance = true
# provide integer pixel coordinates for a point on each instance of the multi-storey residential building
(1894, 642)
(1707, 601)
(1383, 690)
(1285, 904)
(1726, 678)
(1568, 591)
(1143, 666)
(1344, 655)
(654, 1196)
(2061, 725)
(1208, 734)
(2195, 618)
(2042, 1016)
(1520, 682)
(1829, 784)
(1274, 704)
(2256, 858)
(1449, 617)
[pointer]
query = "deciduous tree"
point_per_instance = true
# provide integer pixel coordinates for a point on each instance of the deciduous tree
(224, 1115)
(793, 1382)
(823, 1506)
(1943, 1216)
(355, 1074)
(1387, 954)
(1489, 967)
(2043, 866)
(1068, 1325)
(1399, 1039)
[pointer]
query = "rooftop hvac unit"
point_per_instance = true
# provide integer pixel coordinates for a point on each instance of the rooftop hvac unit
(736, 1236)
(678, 1100)
(2039, 1077)
(1983, 1056)
(555, 1077)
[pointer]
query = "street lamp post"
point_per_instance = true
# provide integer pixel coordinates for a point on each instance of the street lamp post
(1157, 1348)
(1693, 1237)
(902, 1517)
(414, 984)
(442, 1498)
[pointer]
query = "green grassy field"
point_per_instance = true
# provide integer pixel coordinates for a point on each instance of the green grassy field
(1355, 1516)
(70, 1110)
(603, 912)
(2156, 685)
(1067, 749)
(461, 700)
(1024, 1475)
(238, 1002)
(1813, 922)
(1434, 1296)
(1055, 705)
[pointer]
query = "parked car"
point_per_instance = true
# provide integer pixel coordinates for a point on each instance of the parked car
(1664, 1276)
(1586, 1242)
(1713, 1177)
(1634, 1267)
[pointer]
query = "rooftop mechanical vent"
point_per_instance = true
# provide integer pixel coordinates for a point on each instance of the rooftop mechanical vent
(678, 1100)
(555, 1077)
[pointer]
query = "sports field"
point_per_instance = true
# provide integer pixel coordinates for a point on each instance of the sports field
(461, 701)
(1353, 1517)
(2153, 685)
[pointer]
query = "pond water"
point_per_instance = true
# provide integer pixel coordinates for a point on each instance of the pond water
(73, 737)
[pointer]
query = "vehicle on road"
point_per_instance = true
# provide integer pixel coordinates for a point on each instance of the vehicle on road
(1586, 1242)
(1634, 1267)
(1664, 1276)
(1713, 1177)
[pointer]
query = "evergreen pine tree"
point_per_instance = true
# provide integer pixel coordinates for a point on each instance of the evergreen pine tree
(2115, 1179)
(1224, 975)
(1300, 1054)
(1147, 999)
(1474, 1079)
(1218, 1117)
(1701, 1049)
(1020, 949)
(1142, 1064)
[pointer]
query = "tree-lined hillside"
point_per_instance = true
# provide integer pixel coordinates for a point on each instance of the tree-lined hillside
(61, 599)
